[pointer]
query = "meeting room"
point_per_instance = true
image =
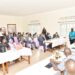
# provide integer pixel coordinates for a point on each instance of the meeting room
(37, 37)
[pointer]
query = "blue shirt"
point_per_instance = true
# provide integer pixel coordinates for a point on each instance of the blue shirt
(72, 35)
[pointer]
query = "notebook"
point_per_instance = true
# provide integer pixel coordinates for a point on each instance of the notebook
(73, 47)
(49, 65)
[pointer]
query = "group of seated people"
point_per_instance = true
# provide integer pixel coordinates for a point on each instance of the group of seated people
(35, 40)
(26, 39)
(17, 41)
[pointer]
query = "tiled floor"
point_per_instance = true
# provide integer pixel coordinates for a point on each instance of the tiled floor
(36, 57)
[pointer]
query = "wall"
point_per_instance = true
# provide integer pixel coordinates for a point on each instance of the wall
(4, 20)
(49, 20)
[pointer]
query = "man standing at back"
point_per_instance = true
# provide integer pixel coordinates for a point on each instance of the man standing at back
(72, 36)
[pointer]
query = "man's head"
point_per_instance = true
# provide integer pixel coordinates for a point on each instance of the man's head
(70, 66)
(67, 52)
(72, 29)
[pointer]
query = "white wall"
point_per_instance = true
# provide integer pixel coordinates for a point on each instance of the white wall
(49, 20)
(4, 20)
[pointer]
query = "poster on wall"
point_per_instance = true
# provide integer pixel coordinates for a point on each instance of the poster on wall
(11, 28)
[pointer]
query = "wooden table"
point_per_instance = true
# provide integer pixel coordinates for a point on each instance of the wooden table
(12, 55)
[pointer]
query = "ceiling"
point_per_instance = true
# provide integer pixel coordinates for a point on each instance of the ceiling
(28, 7)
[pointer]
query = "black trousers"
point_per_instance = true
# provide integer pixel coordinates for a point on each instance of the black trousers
(49, 46)
(72, 41)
